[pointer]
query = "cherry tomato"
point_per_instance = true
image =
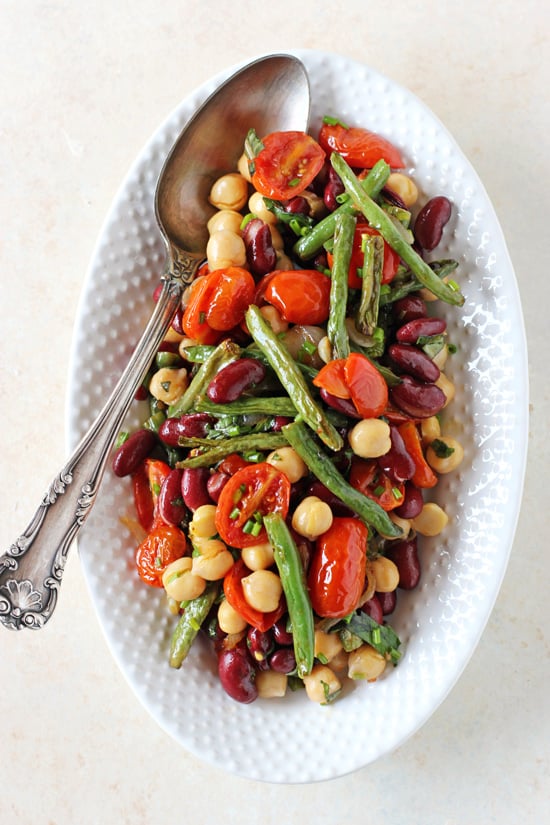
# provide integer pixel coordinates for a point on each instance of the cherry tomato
(217, 303)
(360, 147)
(389, 267)
(146, 483)
(332, 378)
(163, 545)
(423, 476)
(233, 590)
(302, 296)
(231, 463)
(193, 322)
(367, 477)
(287, 164)
(336, 575)
(250, 494)
(368, 389)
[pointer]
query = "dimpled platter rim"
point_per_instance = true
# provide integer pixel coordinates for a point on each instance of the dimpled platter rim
(292, 740)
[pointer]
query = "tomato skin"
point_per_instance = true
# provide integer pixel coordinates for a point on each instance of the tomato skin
(332, 378)
(234, 593)
(143, 500)
(302, 296)
(287, 164)
(389, 267)
(258, 488)
(163, 545)
(367, 477)
(360, 147)
(193, 322)
(423, 476)
(368, 389)
(336, 576)
(217, 303)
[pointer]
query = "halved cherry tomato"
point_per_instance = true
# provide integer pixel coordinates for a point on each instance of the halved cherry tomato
(146, 483)
(336, 576)
(287, 164)
(302, 296)
(360, 147)
(389, 267)
(368, 389)
(332, 378)
(232, 463)
(367, 477)
(218, 303)
(423, 476)
(163, 545)
(233, 590)
(193, 322)
(249, 495)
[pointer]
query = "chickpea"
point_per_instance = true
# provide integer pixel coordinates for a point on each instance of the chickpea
(447, 386)
(270, 684)
(179, 581)
(403, 523)
(243, 168)
(274, 318)
(211, 560)
(431, 520)
(256, 205)
(370, 438)
(327, 646)
(404, 187)
(168, 384)
(203, 523)
(225, 248)
(440, 358)
(283, 261)
(386, 574)
(324, 348)
(227, 219)
(262, 589)
(312, 517)
(322, 685)
(287, 460)
(430, 429)
(229, 620)
(276, 238)
(229, 192)
(365, 663)
(445, 463)
(258, 556)
(172, 336)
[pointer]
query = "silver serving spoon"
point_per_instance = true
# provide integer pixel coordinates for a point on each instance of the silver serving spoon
(269, 94)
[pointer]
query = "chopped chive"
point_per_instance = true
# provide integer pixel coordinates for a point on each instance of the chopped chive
(294, 182)
(397, 492)
(334, 121)
(378, 490)
(235, 513)
(121, 438)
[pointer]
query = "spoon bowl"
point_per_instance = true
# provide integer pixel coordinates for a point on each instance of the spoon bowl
(269, 94)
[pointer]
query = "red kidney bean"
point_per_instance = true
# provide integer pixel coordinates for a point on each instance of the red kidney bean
(373, 608)
(393, 197)
(231, 381)
(237, 674)
(409, 308)
(416, 399)
(297, 206)
(260, 253)
(281, 635)
(135, 449)
(397, 463)
(387, 601)
(215, 484)
(414, 361)
(191, 425)
(413, 502)
(279, 422)
(283, 660)
(343, 405)
(317, 488)
(260, 644)
(430, 222)
(194, 487)
(176, 321)
(410, 332)
(171, 506)
(404, 555)
(168, 346)
(332, 189)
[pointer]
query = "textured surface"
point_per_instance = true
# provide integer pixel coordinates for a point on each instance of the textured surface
(441, 622)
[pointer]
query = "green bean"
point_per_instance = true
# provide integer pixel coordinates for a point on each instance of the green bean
(190, 623)
(239, 444)
(310, 244)
(336, 326)
(291, 572)
(323, 468)
(198, 354)
(249, 406)
(291, 378)
(224, 353)
(378, 219)
(367, 313)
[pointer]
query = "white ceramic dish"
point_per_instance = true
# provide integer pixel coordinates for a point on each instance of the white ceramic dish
(293, 740)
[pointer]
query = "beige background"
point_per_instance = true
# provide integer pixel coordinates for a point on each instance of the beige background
(82, 87)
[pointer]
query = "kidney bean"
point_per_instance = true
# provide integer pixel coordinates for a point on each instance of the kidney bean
(387, 601)
(283, 660)
(260, 253)
(260, 644)
(215, 484)
(237, 674)
(281, 635)
(171, 506)
(430, 222)
(417, 399)
(412, 503)
(194, 487)
(279, 422)
(231, 381)
(414, 361)
(191, 425)
(404, 555)
(373, 608)
(410, 332)
(343, 405)
(135, 449)
(393, 197)
(333, 188)
(397, 463)
(176, 321)
(409, 308)
(317, 488)
(297, 206)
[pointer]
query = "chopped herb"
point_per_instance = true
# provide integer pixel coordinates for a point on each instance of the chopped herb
(378, 490)
(202, 317)
(334, 121)
(397, 492)
(166, 385)
(294, 182)
(235, 513)
(441, 448)
(329, 697)
(322, 658)
(121, 438)
(381, 637)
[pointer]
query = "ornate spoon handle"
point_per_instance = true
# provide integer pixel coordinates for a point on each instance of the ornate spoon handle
(31, 570)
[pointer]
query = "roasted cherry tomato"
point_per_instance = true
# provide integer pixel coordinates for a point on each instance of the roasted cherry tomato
(287, 164)
(233, 590)
(163, 545)
(217, 303)
(302, 296)
(367, 477)
(249, 495)
(423, 476)
(360, 147)
(336, 575)
(332, 378)
(146, 482)
(389, 267)
(368, 389)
